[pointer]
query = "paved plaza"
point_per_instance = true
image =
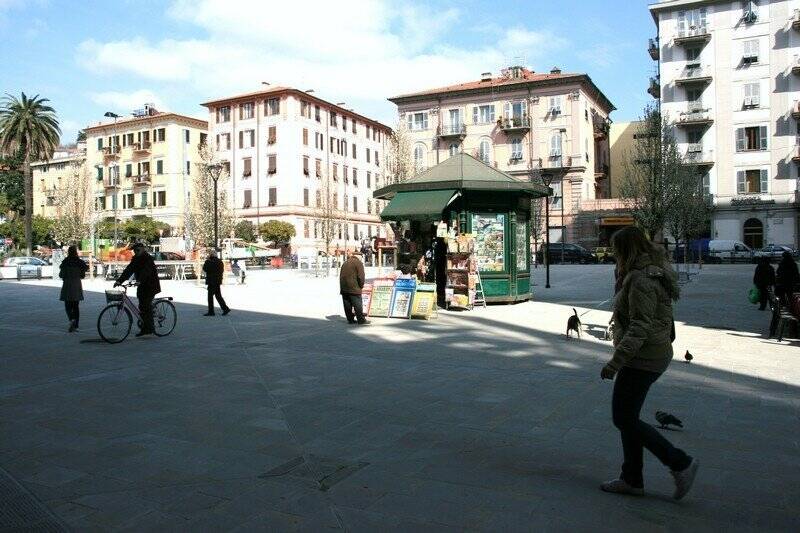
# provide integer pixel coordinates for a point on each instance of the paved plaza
(282, 417)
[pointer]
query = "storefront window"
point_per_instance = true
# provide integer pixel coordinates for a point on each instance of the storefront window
(489, 233)
(522, 246)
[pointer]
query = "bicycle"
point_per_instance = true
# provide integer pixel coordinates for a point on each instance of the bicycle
(116, 318)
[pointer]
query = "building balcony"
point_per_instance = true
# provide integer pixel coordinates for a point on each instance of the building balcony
(111, 152)
(653, 49)
(601, 127)
(142, 148)
(601, 172)
(142, 180)
(605, 204)
(796, 19)
(796, 110)
(654, 89)
(515, 124)
(695, 116)
(557, 163)
(696, 35)
(111, 183)
(694, 74)
(452, 131)
(695, 155)
(796, 65)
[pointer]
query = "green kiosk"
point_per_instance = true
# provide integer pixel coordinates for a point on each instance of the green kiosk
(471, 198)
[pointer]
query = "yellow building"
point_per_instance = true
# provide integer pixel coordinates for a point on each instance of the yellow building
(52, 176)
(144, 165)
(621, 143)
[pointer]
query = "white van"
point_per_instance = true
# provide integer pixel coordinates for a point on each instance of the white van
(729, 251)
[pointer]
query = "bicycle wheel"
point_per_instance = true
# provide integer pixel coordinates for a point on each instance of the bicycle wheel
(114, 323)
(164, 317)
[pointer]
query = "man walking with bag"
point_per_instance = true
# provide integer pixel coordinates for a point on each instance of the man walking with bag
(214, 270)
(351, 281)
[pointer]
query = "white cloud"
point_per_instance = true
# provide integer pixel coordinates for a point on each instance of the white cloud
(357, 51)
(122, 103)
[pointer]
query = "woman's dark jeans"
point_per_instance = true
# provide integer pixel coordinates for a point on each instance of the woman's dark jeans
(630, 390)
(73, 311)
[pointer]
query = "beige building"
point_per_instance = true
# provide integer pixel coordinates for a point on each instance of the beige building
(282, 146)
(729, 78)
(144, 164)
(53, 175)
(521, 122)
(621, 141)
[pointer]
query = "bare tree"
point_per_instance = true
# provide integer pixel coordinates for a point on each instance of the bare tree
(74, 206)
(399, 163)
(690, 212)
(653, 173)
(327, 216)
(201, 214)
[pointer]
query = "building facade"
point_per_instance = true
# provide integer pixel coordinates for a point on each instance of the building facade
(729, 79)
(144, 164)
(52, 176)
(521, 122)
(293, 156)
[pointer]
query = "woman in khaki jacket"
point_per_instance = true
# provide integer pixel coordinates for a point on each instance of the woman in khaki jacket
(643, 334)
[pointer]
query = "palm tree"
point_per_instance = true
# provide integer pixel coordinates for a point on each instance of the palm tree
(28, 126)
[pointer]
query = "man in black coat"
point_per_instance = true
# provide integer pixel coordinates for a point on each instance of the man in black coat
(351, 283)
(214, 270)
(764, 279)
(143, 268)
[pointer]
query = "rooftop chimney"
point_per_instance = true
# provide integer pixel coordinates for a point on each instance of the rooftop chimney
(486, 76)
(555, 71)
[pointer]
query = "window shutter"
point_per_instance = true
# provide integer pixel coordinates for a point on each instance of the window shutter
(425, 121)
(740, 140)
(475, 114)
(241, 139)
(755, 89)
(740, 185)
(507, 110)
(763, 135)
(681, 21)
(410, 121)
(491, 113)
(524, 109)
(748, 90)
(764, 180)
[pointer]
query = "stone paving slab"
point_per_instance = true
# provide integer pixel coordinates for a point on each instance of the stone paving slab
(489, 420)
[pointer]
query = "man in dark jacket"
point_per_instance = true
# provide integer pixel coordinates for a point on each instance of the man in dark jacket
(143, 268)
(214, 269)
(763, 279)
(351, 281)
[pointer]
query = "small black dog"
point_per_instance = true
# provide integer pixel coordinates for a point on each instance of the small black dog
(574, 324)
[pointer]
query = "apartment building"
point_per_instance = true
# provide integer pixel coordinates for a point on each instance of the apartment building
(144, 164)
(729, 79)
(52, 176)
(286, 148)
(521, 122)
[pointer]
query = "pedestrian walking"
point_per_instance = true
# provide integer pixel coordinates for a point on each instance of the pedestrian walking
(351, 281)
(72, 271)
(786, 279)
(764, 280)
(643, 332)
(214, 269)
(143, 268)
(242, 270)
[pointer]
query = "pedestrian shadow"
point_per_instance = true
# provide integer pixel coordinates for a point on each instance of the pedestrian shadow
(598, 331)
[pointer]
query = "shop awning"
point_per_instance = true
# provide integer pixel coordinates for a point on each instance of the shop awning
(413, 205)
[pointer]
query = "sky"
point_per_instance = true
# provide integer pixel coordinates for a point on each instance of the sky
(90, 57)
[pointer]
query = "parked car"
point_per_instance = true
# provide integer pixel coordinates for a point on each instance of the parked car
(723, 250)
(775, 251)
(27, 267)
(166, 271)
(571, 253)
(604, 254)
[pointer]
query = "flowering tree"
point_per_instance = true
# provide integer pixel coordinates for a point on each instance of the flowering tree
(201, 214)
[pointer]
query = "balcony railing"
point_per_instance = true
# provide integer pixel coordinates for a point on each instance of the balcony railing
(698, 34)
(452, 131)
(142, 179)
(141, 147)
(557, 162)
(511, 124)
(694, 74)
(111, 151)
(796, 19)
(695, 155)
(654, 49)
(654, 89)
(695, 116)
(111, 183)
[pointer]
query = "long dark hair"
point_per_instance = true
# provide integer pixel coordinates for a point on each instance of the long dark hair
(72, 251)
(630, 244)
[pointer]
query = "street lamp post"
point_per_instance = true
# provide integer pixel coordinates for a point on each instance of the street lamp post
(214, 170)
(547, 178)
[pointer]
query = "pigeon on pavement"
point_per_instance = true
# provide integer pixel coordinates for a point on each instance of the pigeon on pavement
(688, 356)
(666, 420)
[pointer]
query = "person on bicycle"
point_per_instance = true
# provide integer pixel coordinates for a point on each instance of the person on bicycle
(143, 268)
